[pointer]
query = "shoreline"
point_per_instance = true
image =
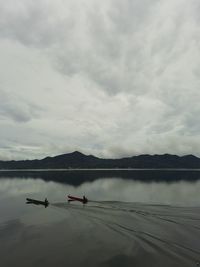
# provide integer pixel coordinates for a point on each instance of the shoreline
(101, 169)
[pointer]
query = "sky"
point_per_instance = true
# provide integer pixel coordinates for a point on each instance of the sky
(110, 78)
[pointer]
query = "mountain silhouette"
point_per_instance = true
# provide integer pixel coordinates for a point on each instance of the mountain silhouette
(78, 160)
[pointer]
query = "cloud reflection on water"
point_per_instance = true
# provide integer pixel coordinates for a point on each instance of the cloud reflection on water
(176, 193)
(110, 232)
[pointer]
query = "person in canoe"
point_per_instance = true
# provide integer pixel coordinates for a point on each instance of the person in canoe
(37, 202)
(83, 200)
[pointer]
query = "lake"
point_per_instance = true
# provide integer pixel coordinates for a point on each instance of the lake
(141, 217)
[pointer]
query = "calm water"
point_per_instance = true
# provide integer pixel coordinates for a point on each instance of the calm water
(160, 187)
(133, 218)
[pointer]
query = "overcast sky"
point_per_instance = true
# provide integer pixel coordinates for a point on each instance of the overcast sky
(110, 78)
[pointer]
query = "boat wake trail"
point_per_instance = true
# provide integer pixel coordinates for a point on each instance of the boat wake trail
(125, 234)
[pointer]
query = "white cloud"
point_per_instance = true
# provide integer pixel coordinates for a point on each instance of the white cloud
(111, 78)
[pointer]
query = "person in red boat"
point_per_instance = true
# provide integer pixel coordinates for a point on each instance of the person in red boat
(84, 200)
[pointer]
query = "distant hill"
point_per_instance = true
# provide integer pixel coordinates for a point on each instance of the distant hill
(78, 160)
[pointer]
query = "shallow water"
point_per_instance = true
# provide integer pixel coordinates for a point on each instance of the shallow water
(151, 224)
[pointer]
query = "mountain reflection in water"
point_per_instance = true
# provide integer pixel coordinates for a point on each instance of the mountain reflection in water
(125, 223)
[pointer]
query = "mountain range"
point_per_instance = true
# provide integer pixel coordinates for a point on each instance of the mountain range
(77, 160)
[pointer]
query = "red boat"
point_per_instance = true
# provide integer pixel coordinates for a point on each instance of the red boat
(84, 200)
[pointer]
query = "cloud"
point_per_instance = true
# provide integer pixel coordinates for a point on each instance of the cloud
(34, 23)
(12, 107)
(109, 78)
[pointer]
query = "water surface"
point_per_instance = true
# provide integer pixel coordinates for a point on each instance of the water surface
(132, 219)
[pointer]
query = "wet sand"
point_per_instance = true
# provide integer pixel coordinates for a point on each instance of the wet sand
(102, 234)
